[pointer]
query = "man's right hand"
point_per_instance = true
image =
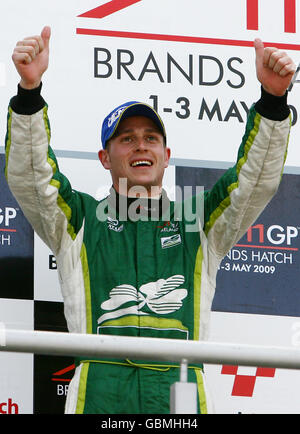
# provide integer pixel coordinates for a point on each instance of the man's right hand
(31, 58)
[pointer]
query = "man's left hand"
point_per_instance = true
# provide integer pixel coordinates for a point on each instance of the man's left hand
(274, 68)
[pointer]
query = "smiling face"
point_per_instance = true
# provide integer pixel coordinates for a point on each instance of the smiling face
(136, 152)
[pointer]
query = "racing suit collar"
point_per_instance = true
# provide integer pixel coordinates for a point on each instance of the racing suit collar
(131, 208)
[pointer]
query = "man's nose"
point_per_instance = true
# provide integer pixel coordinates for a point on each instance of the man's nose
(141, 143)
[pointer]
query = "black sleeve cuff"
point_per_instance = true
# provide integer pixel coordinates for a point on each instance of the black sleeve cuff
(27, 101)
(272, 107)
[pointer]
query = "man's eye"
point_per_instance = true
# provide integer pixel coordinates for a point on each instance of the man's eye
(126, 139)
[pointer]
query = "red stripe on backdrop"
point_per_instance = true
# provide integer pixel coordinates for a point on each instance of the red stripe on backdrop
(108, 8)
(290, 16)
(267, 247)
(177, 38)
(252, 14)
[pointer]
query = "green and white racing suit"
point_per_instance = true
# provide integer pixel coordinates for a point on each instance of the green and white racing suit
(138, 278)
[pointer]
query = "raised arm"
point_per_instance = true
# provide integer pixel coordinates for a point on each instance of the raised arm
(43, 192)
(238, 198)
(31, 58)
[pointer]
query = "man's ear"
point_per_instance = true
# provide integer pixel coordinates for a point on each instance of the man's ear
(167, 156)
(104, 158)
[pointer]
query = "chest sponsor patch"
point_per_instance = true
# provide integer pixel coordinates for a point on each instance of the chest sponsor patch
(114, 225)
(162, 297)
(171, 241)
(169, 227)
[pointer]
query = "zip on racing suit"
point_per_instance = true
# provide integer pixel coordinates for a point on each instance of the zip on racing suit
(153, 278)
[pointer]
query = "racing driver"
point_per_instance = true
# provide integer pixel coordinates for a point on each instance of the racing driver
(139, 270)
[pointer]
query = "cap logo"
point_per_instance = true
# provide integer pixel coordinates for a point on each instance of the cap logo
(115, 116)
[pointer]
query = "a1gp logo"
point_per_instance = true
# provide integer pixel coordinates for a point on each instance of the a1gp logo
(7, 214)
(2, 335)
(275, 234)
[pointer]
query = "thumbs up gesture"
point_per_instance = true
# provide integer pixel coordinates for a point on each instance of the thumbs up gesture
(274, 68)
(31, 58)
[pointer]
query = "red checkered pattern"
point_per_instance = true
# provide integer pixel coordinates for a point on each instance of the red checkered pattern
(244, 384)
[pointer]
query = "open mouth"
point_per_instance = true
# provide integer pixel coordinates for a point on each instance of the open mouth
(141, 163)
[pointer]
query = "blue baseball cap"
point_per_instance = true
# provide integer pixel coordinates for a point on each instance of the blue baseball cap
(126, 110)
